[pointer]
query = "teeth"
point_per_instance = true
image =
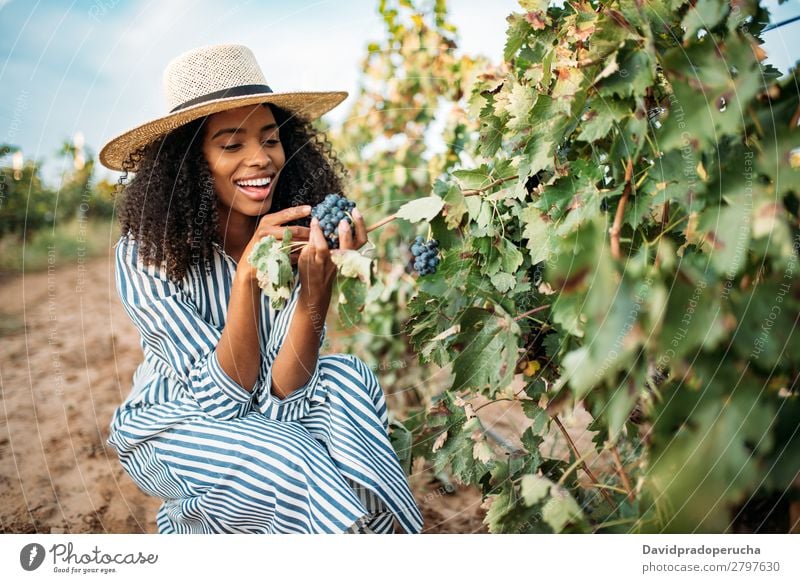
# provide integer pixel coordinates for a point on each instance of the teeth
(256, 182)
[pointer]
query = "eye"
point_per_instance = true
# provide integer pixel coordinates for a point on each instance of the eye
(231, 147)
(272, 142)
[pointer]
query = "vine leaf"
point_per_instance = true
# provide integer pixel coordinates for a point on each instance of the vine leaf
(351, 263)
(534, 488)
(489, 355)
(421, 209)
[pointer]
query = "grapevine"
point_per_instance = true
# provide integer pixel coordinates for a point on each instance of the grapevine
(618, 209)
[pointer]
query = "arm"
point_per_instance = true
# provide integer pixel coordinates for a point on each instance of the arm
(296, 362)
(239, 349)
(176, 336)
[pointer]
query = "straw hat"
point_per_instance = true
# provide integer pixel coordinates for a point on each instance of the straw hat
(208, 80)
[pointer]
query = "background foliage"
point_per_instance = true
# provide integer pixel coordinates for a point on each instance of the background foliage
(619, 225)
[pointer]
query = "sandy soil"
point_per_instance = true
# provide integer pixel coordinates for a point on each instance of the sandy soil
(69, 352)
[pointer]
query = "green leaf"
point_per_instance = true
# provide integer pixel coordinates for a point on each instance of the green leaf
(518, 31)
(473, 179)
(489, 355)
(538, 232)
(503, 282)
(726, 231)
(712, 102)
(704, 14)
(454, 206)
(458, 448)
(695, 319)
(401, 440)
(549, 121)
(273, 269)
(561, 510)
(534, 488)
(421, 209)
(635, 74)
(352, 294)
(603, 114)
(705, 450)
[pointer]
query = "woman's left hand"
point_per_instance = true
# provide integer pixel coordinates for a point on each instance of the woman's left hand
(317, 270)
(348, 239)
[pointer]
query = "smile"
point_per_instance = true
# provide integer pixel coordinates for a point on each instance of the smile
(256, 189)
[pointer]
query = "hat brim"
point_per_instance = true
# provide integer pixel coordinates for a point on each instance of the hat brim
(307, 105)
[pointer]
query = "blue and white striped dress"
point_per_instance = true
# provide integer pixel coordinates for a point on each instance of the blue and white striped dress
(224, 459)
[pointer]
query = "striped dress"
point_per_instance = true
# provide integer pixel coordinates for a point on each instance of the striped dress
(227, 460)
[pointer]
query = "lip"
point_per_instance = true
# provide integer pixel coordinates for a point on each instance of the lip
(253, 194)
(257, 195)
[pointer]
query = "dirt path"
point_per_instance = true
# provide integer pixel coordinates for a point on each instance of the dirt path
(68, 354)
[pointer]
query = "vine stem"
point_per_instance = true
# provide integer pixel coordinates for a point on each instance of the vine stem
(621, 471)
(530, 312)
(577, 455)
(473, 192)
(497, 182)
(617, 227)
(380, 223)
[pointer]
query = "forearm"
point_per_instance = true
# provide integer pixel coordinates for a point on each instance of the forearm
(239, 349)
(297, 357)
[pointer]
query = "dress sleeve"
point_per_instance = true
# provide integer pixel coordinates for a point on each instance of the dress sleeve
(297, 403)
(176, 335)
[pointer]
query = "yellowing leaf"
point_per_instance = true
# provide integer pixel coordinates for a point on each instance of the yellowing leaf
(534, 488)
(482, 452)
(351, 263)
(437, 445)
(532, 368)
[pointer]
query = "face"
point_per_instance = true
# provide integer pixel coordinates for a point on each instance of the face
(244, 153)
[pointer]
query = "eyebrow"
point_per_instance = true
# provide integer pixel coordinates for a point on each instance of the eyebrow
(240, 130)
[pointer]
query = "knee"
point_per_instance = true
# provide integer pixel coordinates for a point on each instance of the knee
(358, 370)
(284, 445)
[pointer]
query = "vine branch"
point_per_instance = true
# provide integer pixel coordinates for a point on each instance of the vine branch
(577, 454)
(617, 227)
(531, 312)
(498, 182)
(621, 471)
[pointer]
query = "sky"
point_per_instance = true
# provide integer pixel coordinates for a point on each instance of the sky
(95, 66)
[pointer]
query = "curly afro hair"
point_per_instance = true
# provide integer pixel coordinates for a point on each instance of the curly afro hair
(170, 205)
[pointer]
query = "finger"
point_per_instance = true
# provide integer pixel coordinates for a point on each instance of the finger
(286, 215)
(308, 250)
(361, 229)
(345, 235)
(298, 233)
(318, 241)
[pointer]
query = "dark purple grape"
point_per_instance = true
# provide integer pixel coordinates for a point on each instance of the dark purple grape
(329, 213)
(426, 255)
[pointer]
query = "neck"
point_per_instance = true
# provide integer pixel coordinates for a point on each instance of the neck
(236, 230)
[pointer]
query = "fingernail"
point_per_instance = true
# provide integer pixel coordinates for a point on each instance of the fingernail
(356, 214)
(314, 222)
(307, 209)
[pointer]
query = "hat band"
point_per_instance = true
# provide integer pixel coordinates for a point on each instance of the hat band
(238, 91)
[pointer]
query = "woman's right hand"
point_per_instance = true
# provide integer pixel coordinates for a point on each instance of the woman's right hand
(274, 224)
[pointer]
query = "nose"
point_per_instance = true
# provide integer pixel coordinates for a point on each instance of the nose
(257, 155)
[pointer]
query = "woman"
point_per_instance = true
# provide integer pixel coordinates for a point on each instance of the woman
(234, 419)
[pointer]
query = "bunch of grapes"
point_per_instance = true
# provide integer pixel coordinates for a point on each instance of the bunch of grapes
(426, 255)
(329, 212)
